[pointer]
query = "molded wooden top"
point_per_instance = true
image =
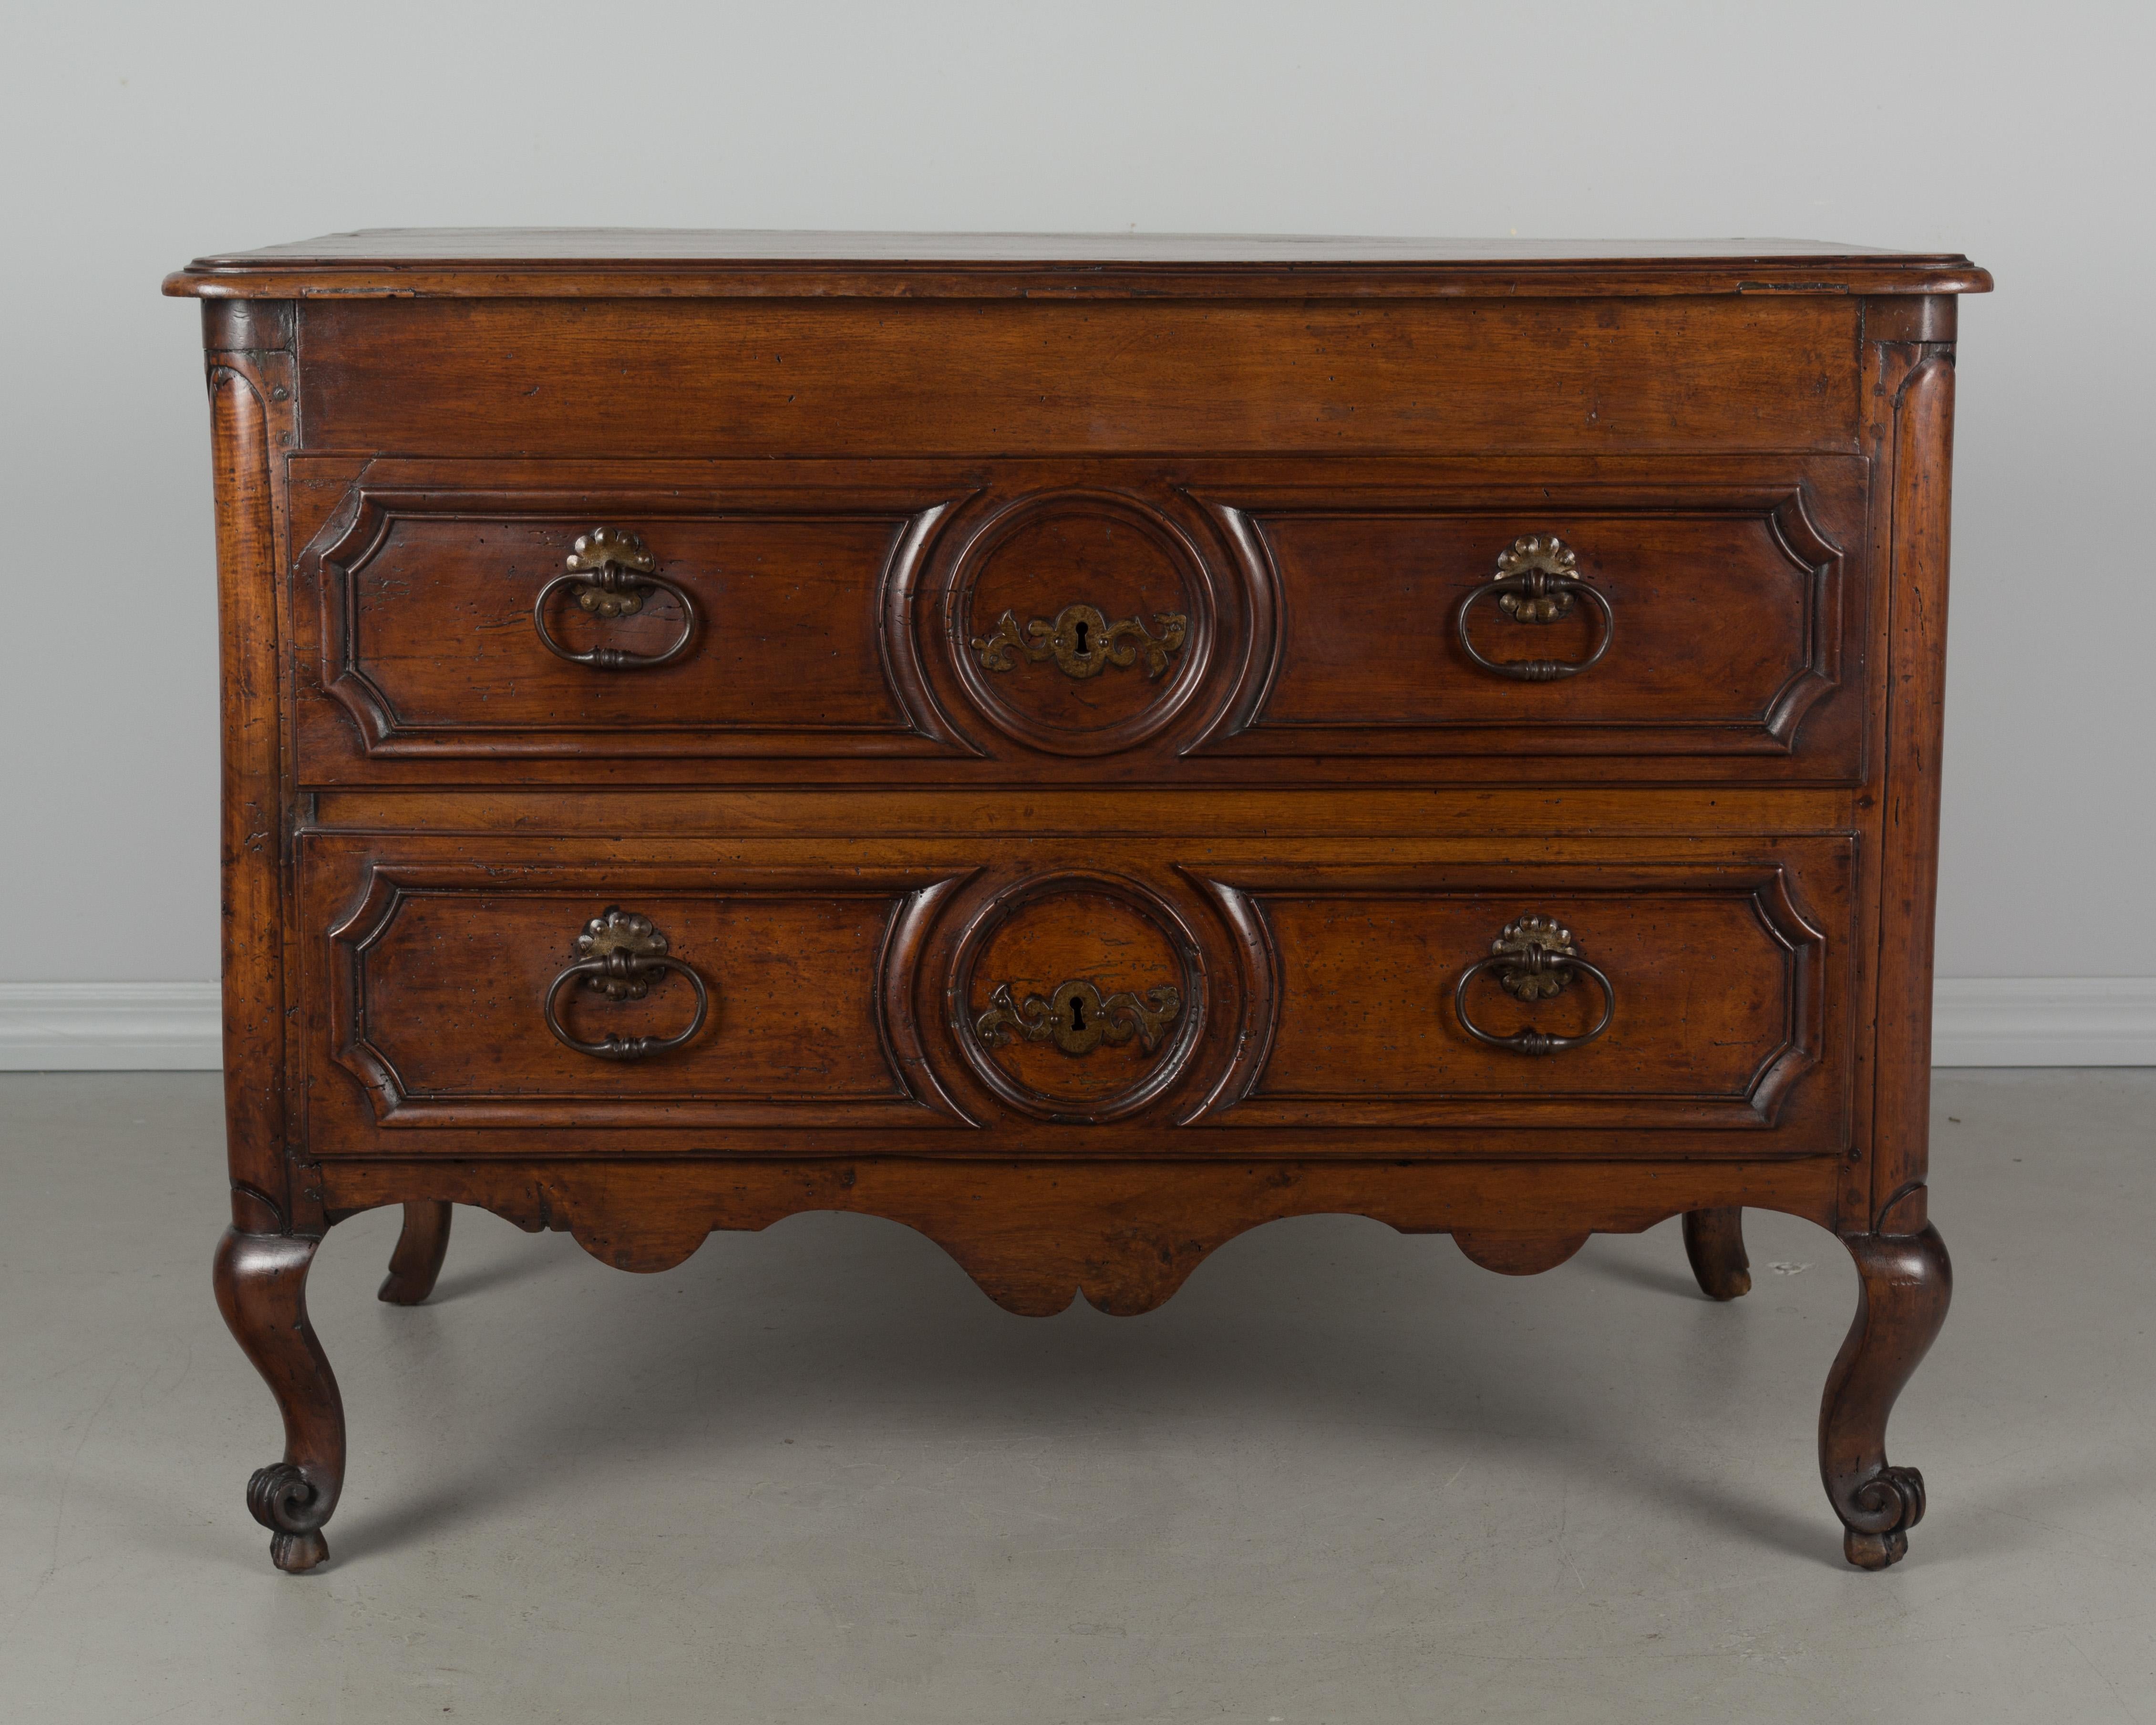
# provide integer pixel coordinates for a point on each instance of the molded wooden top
(565, 263)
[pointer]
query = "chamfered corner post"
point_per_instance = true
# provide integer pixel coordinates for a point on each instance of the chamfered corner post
(261, 1290)
(421, 1247)
(261, 1264)
(1714, 1242)
(1905, 1279)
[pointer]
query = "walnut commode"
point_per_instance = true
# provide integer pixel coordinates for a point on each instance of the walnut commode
(1082, 746)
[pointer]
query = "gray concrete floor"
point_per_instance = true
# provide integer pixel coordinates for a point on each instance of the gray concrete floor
(814, 1475)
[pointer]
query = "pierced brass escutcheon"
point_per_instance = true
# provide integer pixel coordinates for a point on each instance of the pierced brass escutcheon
(1535, 960)
(1077, 1017)
(1543, 601)
(616, 931)
(611, 560)
(1082, 641)
(1527, 946)
(607, 573)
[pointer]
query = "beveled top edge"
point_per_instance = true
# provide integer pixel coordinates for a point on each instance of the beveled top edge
(607, 262)
(535, 246)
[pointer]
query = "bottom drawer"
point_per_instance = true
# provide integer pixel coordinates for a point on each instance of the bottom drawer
(480, 995)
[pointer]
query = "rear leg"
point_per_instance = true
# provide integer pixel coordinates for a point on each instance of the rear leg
(1714, 1241)
(420, 1249)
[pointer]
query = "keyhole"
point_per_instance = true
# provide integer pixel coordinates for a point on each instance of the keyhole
(1077, 1010)
(1083, 627)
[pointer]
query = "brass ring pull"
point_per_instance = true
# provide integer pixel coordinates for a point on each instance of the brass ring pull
(609, 572)
(623, 954)
(1535, 960)
(1537, 581)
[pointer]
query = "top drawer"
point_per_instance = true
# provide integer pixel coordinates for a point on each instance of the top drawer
(1249, 621)
(1371, 374)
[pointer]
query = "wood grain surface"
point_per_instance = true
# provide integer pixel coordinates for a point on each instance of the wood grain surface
(1092, 763)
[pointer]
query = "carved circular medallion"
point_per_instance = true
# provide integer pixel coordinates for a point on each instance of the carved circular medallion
(1078, 997)
(1079, 623)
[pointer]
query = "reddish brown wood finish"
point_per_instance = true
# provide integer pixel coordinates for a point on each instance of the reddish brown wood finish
(1073, 796)
(1905, 1282)
(1714, 1242)
(417, 1261)
(806, 377)
(1317, 600)
(1922, 429)
(617, 263)
(1316, 979)
(249, 382)
(1541, 815)
(262, 1290)
(1035, 1233)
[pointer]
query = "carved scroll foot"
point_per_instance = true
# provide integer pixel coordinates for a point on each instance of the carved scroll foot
(420, 1249)
(1714, 1241)
(261, 1290)
(1906, 1282)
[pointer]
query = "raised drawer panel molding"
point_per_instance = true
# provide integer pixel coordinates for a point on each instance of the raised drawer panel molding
(1014, 623)
(539, 623)
(1663, 614)
(1705, 1004)
(1082, 745)
(446, 983)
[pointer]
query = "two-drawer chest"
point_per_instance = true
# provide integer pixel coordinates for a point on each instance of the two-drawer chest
(1082, 746)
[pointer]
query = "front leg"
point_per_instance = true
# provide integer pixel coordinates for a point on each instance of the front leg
(1905, 1281)
(420, 1249)
(261, 1290)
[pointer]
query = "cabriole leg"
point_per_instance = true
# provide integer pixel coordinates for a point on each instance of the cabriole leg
(1905, 1281)
(261, 1290)
(1714, 1241)
(420, 1250)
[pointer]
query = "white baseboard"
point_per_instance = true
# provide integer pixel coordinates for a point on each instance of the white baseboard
(119, 1027)
(1976, 1021)
(2044, 1021)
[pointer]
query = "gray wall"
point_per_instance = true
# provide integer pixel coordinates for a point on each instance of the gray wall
(139, 136)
